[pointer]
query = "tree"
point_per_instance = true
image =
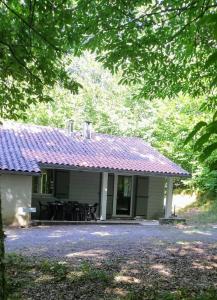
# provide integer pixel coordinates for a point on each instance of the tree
(34, 36)
(168, 46)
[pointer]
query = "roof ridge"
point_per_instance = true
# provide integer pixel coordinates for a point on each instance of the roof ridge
(62, 129)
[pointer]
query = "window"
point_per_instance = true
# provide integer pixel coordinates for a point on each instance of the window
(43, 184)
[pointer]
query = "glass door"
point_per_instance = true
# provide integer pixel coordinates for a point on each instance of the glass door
(124, 195)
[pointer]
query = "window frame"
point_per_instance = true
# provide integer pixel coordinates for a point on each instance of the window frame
(40, 183)
(114, 213)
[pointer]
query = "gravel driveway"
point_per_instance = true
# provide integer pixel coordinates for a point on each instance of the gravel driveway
(143, 260)
(100, 241)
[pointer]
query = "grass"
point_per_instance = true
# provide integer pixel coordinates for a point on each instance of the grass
(91, 273)
(201, 213)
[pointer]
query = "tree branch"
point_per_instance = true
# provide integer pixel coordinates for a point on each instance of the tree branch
(30, 26)
(190, 22)
(20, 62)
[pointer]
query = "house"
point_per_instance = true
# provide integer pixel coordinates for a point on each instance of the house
(125, 176)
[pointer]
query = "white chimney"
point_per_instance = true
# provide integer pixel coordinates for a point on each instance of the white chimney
(69, 126)
(87, 130)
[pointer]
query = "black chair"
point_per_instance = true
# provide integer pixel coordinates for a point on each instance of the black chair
(43, 211)
(80, 210)
(55, 210)
(92, 212)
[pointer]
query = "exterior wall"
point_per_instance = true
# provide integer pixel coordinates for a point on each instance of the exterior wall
(16, 192)
(84, 187)
(156, 197)
(141, 196)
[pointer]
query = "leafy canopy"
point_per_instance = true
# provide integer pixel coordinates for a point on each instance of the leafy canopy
(34, 35)
(169, 46)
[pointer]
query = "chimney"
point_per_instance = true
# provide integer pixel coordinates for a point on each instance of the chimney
(69, 126)
(87, 130)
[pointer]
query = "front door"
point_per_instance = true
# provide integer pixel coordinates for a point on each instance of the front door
(123, 195)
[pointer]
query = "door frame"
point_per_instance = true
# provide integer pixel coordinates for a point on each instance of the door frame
(114, 214)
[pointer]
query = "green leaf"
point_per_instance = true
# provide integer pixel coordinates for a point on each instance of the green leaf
(212, 59)
(214, 116)
(197, 128)
(208, 151)
(202, 140)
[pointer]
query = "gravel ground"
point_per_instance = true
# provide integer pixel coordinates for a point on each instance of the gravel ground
(100, 240)
(141, 260)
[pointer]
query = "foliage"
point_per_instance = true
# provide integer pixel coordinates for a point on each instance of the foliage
(167, 46)
(58, 269)
(34, 35)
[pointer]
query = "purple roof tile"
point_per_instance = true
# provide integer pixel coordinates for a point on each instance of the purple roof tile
(25, 148)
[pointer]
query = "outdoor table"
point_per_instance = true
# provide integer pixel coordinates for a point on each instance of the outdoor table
(56, 210)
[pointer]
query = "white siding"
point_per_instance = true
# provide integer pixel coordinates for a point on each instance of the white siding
(156, 197)
(16, 191)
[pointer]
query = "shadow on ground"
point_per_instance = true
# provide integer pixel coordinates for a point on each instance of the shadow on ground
(120, 263)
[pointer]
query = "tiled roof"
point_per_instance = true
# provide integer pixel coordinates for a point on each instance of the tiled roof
(24, 148)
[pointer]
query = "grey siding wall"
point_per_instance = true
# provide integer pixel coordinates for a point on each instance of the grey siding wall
(141, 196)
(84, 187)
(156, 197)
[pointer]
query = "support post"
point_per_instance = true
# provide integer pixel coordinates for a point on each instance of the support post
(104, 188)
(169, 197)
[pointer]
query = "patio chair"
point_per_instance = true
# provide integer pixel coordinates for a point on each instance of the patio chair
(92, 212)
(81, 212)
(72, 210)
(43, 210)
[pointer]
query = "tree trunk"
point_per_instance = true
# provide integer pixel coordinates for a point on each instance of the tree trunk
(2, 263)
